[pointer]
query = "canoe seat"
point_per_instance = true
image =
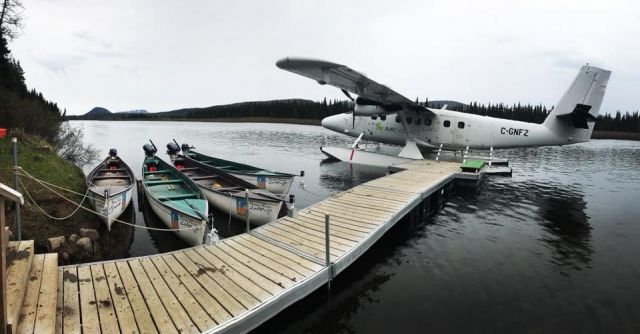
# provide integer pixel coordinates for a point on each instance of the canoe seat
(204, 177)
(107, 177)
(187, 169)
(112, 170)
(153, 183)
(174, 197)
(157, 172)
(228, 189)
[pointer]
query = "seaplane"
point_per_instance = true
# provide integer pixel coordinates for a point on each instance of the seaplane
(384, 116)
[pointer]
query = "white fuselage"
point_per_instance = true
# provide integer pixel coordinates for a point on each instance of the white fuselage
(454, 130)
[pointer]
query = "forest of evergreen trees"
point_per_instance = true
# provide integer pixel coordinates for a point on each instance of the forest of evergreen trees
(294, 108)
(20, 107)
(306, 109)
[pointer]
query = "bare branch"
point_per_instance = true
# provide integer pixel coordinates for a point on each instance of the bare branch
(11, 18)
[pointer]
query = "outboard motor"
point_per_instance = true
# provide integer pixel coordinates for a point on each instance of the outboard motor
(186, 148)
(113, 153)
(150, 150)
(173, 148)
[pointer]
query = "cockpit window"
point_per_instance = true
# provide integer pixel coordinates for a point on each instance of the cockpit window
(446, 124)
(397, 119)
(427, 121)
(383, 117)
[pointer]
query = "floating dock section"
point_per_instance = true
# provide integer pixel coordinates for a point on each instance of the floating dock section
(240, 282)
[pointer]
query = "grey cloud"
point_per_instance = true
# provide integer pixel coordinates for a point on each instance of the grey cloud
(58, 65)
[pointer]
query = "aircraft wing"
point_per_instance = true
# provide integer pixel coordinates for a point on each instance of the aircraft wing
(343, 77)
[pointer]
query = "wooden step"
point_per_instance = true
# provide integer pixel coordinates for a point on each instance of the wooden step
(12, 248)
(17, 279)
(38, 314)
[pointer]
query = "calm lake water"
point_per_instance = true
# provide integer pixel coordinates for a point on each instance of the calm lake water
(554, 249)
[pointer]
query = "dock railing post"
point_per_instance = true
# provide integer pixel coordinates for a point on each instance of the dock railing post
(490, 155)
(246, 194)
(439, 150)
(327, 219)
(3, 271)
(14, 196)
(464, 156)
(14, 149)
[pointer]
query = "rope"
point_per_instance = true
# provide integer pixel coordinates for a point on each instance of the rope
(303, 187)
(43, 183)
(18, 169)
(42, 210)
(230, 204)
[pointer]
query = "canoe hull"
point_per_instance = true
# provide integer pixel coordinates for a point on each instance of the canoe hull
(114, 207)
(274, 182)
(176, 220)
(278, 185)
(113, 179)
(261, 212)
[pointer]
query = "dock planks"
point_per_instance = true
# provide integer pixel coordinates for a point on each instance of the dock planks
(237, 283)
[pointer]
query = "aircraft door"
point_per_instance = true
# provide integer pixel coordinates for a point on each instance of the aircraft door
(460, 131)
(444, 130)
(428, 129)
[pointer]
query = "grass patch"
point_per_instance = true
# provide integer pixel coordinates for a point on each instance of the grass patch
(39, 159)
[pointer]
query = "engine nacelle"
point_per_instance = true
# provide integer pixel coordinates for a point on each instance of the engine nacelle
(368, 110)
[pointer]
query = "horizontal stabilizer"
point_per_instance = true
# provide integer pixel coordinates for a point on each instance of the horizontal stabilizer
(579, 117)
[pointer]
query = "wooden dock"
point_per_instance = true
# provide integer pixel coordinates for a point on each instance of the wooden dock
(237, 283)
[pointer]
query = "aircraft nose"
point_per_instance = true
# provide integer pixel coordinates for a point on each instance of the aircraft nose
(332, 123)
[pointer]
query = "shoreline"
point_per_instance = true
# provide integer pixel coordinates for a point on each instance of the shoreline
(615, 135)
(306, 121)
(299, 121)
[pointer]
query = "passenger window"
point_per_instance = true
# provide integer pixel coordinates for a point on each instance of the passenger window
(374, 117)
(446, 124)
(383, 117)
(409, 120)
(460, 125)
(427, 121)
(418, 121)
(397, 119)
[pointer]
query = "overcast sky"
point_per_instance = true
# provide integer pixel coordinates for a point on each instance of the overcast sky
(164, 55)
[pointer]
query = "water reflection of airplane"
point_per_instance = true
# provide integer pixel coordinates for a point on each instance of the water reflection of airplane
(557, 208)
(563, 210)
(382, 115)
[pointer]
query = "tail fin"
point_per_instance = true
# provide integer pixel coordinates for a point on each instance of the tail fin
(575, 114)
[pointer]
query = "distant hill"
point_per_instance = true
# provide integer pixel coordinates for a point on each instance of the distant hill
(290, 109)
(97, 112)
(233, 106)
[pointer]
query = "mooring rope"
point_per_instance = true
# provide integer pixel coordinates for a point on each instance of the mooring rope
(44, 212)
(45, 183)
(303, 187)
(230, 204)
(21, 172)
